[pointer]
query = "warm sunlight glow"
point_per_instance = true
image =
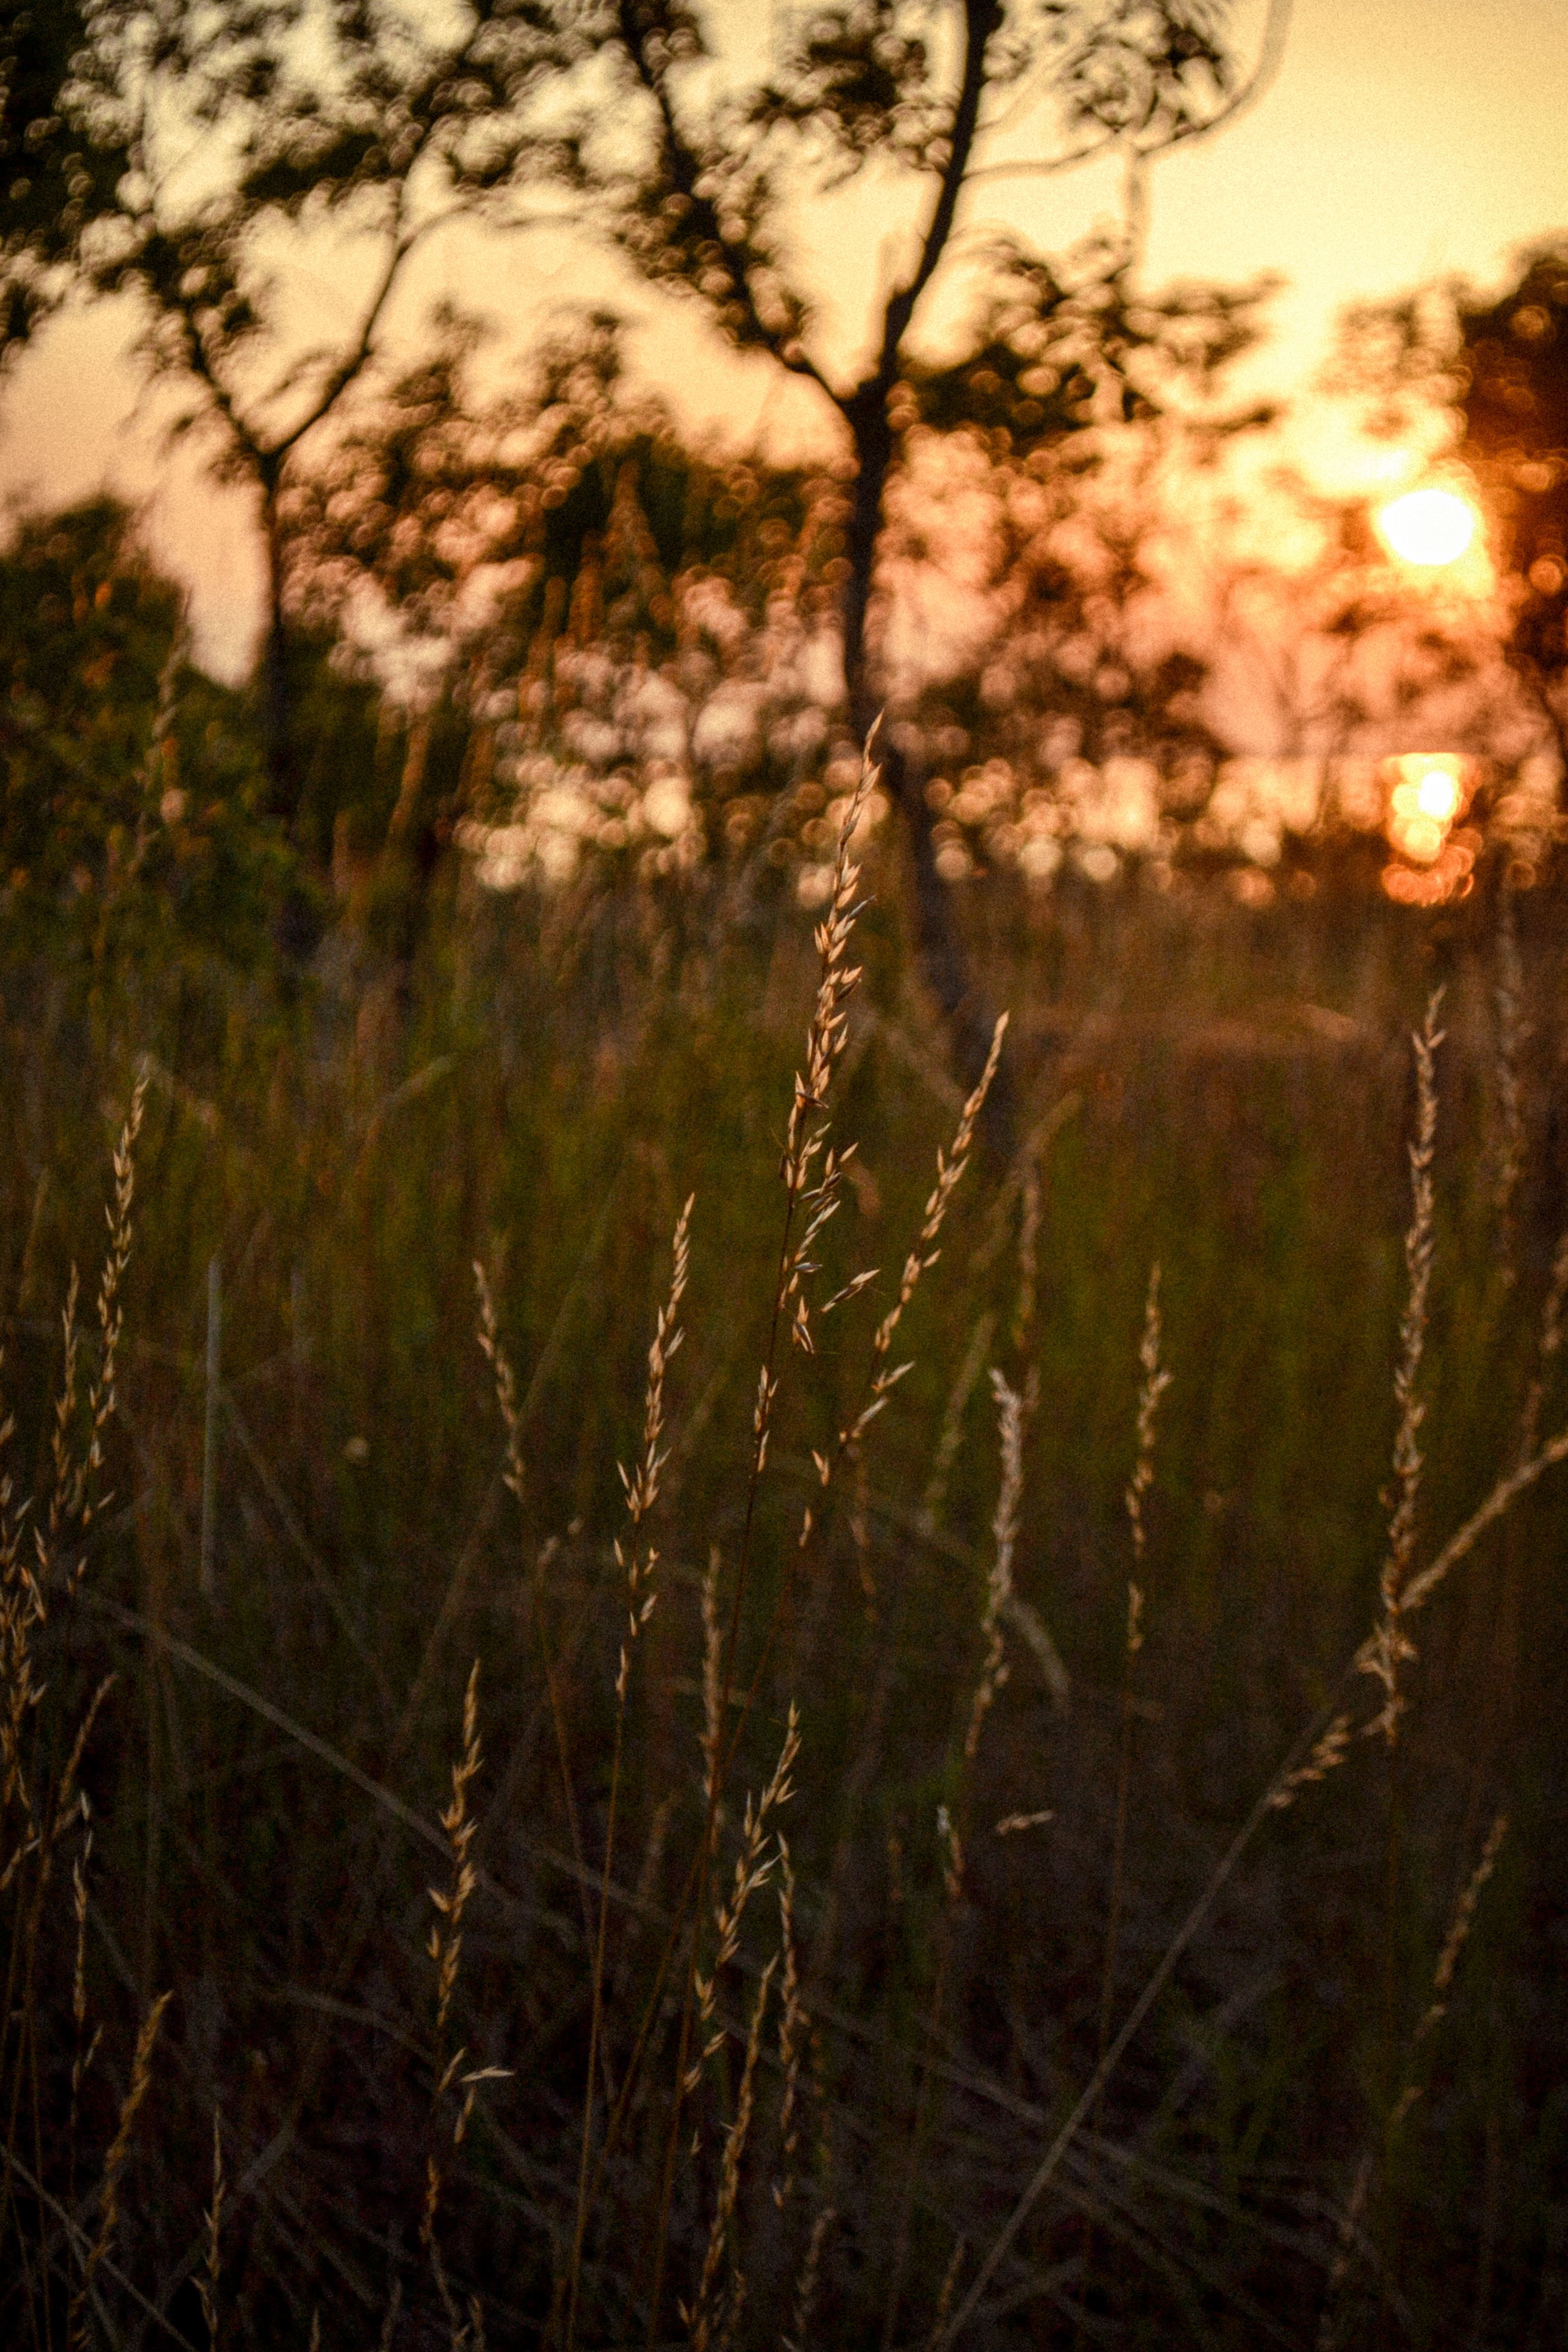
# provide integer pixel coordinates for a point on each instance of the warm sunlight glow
(1427, 528)
(1437, 795)
(1429, 793)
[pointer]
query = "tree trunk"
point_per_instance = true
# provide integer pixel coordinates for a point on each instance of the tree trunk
(944, 961)
(275, 734)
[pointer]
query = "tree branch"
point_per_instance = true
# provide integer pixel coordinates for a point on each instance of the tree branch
(1270, 55)
(200, 361)
(981, 19)
(355, 362)
(1044, 167)
(685, 167)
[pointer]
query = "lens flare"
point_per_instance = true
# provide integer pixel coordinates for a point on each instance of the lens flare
(1427, 528)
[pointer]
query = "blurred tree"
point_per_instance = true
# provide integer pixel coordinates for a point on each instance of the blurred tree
(598, 593)
(1088, 657)
(484, 522)
(220, 153)
(1511, 384)
(57, 181)
(130, 785)
(702, 186)
(1483, 379)
(88, 630)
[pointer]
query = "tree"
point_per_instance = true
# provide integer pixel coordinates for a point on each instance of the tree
(1511, 387)
(574, 500)
(700, 185)
(231, 145)
(607, 601)
(130, 785)
(1481, 381)
(89, 629)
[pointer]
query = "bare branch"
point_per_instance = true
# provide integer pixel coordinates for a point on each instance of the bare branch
(982, 18)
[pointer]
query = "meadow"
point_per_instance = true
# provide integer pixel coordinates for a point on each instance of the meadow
(1046, 1868)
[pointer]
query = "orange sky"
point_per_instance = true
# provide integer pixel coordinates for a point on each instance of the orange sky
(1401, 138)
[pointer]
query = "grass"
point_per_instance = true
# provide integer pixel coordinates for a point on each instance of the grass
(1022, 2006)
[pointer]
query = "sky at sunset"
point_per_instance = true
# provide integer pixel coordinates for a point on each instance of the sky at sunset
(1400, 139)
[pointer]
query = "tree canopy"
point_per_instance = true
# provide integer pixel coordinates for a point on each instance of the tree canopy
(210, 154)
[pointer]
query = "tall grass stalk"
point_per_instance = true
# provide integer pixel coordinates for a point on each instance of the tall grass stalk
(1394, 1649)
(1013, 1412)
(805, 1143)
(35, 1811)
(641, 1487)
(114, 2167)
(1155, 1381)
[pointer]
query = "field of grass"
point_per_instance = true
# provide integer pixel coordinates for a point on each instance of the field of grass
(820, 2066)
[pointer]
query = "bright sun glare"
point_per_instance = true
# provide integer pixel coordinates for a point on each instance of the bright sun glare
(1428, 527)
(1437, 795)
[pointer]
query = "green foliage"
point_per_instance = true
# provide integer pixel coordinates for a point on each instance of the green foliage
(89, 630)
(132, 783)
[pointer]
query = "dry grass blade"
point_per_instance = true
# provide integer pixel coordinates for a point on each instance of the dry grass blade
(1459, 1928)
(754, 1868)
(1328, 1754)
(445, 1948)
(1391, 1648)
(805, 1143)
(446, 1940)
(944, 2299)
(207, 2286)
(446, 1943)
(793, 2026)
(702, 2319)
(114, 2167)
(1012, 1412)
(713, 1669)
(505, 1379)
(100, 1397)
(950, 1167)
(1154, 1385)
(1421, 1588)
(809, 2282)
(23, 1611)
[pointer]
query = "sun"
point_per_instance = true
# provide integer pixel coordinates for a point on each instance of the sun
(1427, 528)
(1437, 795)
